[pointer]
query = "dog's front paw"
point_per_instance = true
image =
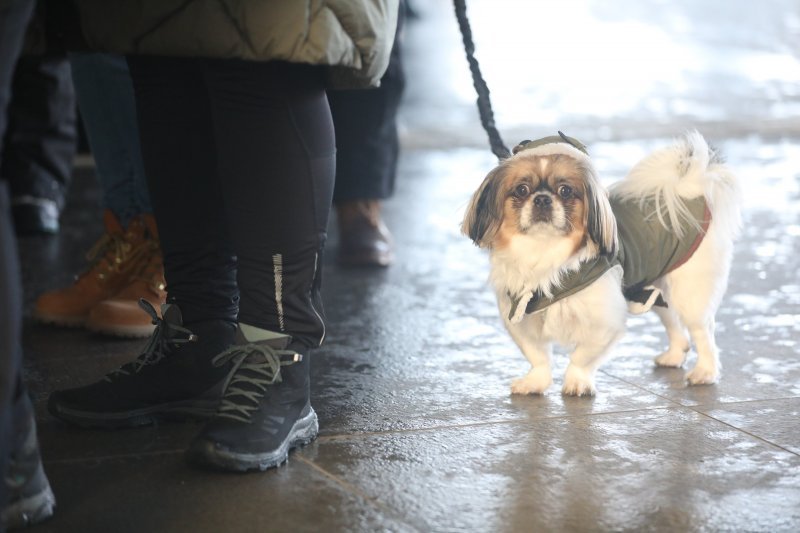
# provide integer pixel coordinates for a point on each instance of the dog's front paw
(535, 382)
(672, 359)
(702, 375)
(578, 382)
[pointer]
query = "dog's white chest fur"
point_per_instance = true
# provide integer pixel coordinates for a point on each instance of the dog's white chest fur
(519, 268)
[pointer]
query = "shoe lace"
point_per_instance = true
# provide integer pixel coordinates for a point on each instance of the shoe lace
(112, 253)
(255, 368)
(164, 338)
(153, 272)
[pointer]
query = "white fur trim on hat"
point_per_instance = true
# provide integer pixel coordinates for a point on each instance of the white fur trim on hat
(554, 145)
(555, 148)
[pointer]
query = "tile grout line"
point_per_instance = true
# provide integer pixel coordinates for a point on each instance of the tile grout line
(741, 430)
(345, 436)
(641, 388)
(696, 409)
(348, 487)
(369, 434)
(737, 402)
(324, 438)
(741, 402)
(99, 458)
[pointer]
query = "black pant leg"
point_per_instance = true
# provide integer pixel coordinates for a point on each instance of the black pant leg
(180, 159)
(254, 195)
(276, 160)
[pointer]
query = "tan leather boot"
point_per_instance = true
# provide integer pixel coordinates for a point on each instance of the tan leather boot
(364, 240)
(121, 315)
(115, 257)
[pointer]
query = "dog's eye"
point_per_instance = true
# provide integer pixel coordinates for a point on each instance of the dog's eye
(565, 191)
(522, 191)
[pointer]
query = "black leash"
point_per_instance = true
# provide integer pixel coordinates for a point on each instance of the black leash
(484, 104)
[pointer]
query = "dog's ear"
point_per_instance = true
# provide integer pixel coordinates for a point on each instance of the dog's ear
(485, 210)
(601, 225)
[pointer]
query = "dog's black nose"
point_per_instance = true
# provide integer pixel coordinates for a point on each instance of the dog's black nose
(542, 200)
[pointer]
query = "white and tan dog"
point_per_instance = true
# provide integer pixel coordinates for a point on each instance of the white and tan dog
(569, 260)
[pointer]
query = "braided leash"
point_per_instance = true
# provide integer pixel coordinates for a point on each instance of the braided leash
(484, 103)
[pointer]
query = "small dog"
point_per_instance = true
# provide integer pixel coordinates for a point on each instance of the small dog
(568, 259)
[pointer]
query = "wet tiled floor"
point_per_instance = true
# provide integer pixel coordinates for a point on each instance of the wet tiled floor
(418, 429)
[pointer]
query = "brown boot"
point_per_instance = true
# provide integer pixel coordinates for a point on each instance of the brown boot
(364, 240)
(121, 315)
(115, 257)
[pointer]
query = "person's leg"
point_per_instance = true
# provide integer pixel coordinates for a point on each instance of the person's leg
(106, 300)
(13, 20)
(11, 325)
(175, 374)
(366, 136)
(40, 142)
(18, 445)
(119, 254)
(276, 157)
(366, 163)
(32, 499)
(180, 154)
(106, 101)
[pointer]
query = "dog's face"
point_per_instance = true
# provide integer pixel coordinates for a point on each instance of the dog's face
(553, 195)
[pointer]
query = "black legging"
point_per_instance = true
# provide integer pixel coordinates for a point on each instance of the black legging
(240, 160)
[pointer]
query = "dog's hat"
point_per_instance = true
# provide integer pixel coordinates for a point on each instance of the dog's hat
(554, 144)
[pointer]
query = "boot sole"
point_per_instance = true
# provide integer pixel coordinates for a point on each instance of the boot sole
(206, 453)
(194, 409)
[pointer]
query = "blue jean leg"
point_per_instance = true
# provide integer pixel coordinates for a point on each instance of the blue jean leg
(107, 105)
(14, 18)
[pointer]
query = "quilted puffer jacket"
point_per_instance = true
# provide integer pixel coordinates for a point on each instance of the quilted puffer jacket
(352, 37)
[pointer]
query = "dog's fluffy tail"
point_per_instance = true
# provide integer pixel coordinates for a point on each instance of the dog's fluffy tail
(688, 168)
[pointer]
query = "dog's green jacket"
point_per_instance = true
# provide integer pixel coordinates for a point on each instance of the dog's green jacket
(647, 251)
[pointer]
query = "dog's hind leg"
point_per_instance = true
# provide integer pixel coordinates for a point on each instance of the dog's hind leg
(695, 304)
(675, 355)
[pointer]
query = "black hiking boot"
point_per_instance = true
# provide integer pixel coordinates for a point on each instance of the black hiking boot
(30, 498)
(172, 378)
(265, 411)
